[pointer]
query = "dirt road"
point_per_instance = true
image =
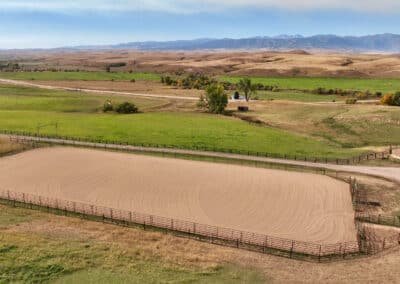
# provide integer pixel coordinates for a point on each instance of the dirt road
(48, 87)
(391, 173)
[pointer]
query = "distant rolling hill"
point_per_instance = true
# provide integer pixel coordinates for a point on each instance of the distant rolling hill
(380, 43)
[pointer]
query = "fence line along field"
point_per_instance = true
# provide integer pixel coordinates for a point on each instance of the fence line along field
(291, 205)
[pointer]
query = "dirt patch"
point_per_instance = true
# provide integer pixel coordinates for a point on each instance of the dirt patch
(299, 206)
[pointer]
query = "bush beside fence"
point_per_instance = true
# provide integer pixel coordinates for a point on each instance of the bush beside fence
(105, 144)
(218, 235)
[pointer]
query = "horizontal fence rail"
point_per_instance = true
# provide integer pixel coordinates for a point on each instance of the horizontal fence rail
(147, 147)
(379, 219)
(218, 235)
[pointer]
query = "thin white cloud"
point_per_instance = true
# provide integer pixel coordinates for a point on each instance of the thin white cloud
(193, 6)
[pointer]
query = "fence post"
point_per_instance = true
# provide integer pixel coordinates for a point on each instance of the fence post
(291, 249)
(194, 228)
(344, 251)
(319, 254)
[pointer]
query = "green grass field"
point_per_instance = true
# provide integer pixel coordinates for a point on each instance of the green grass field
(88, 76)
(77, 115)
(373, 85)
(186, 130)
(25, 98)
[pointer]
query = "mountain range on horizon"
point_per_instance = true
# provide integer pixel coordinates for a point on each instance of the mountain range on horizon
(369, 43)
(386, 43)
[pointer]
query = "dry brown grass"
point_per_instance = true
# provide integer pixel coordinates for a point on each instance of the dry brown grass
(8, 147)
(381, 268)
(260, 63)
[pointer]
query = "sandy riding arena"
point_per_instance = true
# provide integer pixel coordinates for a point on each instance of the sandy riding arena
(299, 206)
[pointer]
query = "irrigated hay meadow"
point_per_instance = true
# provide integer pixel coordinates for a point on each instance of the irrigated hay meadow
(77, 115)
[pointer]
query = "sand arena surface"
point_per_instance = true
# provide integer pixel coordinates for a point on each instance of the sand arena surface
(299, 206)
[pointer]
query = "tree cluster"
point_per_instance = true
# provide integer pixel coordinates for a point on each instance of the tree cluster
(192, 81)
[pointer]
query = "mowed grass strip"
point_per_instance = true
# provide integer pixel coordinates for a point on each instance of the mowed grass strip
(89, 76)
(185, 130)
(356, 84)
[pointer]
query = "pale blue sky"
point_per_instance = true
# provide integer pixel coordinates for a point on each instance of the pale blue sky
(54, 23)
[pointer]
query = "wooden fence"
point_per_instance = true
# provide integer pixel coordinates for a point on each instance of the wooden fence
(217, 235)
(379, 219)
(56, 139)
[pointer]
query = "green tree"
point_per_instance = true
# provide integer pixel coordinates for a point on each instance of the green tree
(247, 88)
(215, 100)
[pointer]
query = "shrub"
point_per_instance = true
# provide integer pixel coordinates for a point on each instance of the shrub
(236, 95)
(387, 99)
(126, 108)
(396, 99)
(108, 106)
(133, 80)
(351, 101)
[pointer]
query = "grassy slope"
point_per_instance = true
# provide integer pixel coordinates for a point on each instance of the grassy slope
(351, 125)
(90, 76)
(373, 85)
(30, 257)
